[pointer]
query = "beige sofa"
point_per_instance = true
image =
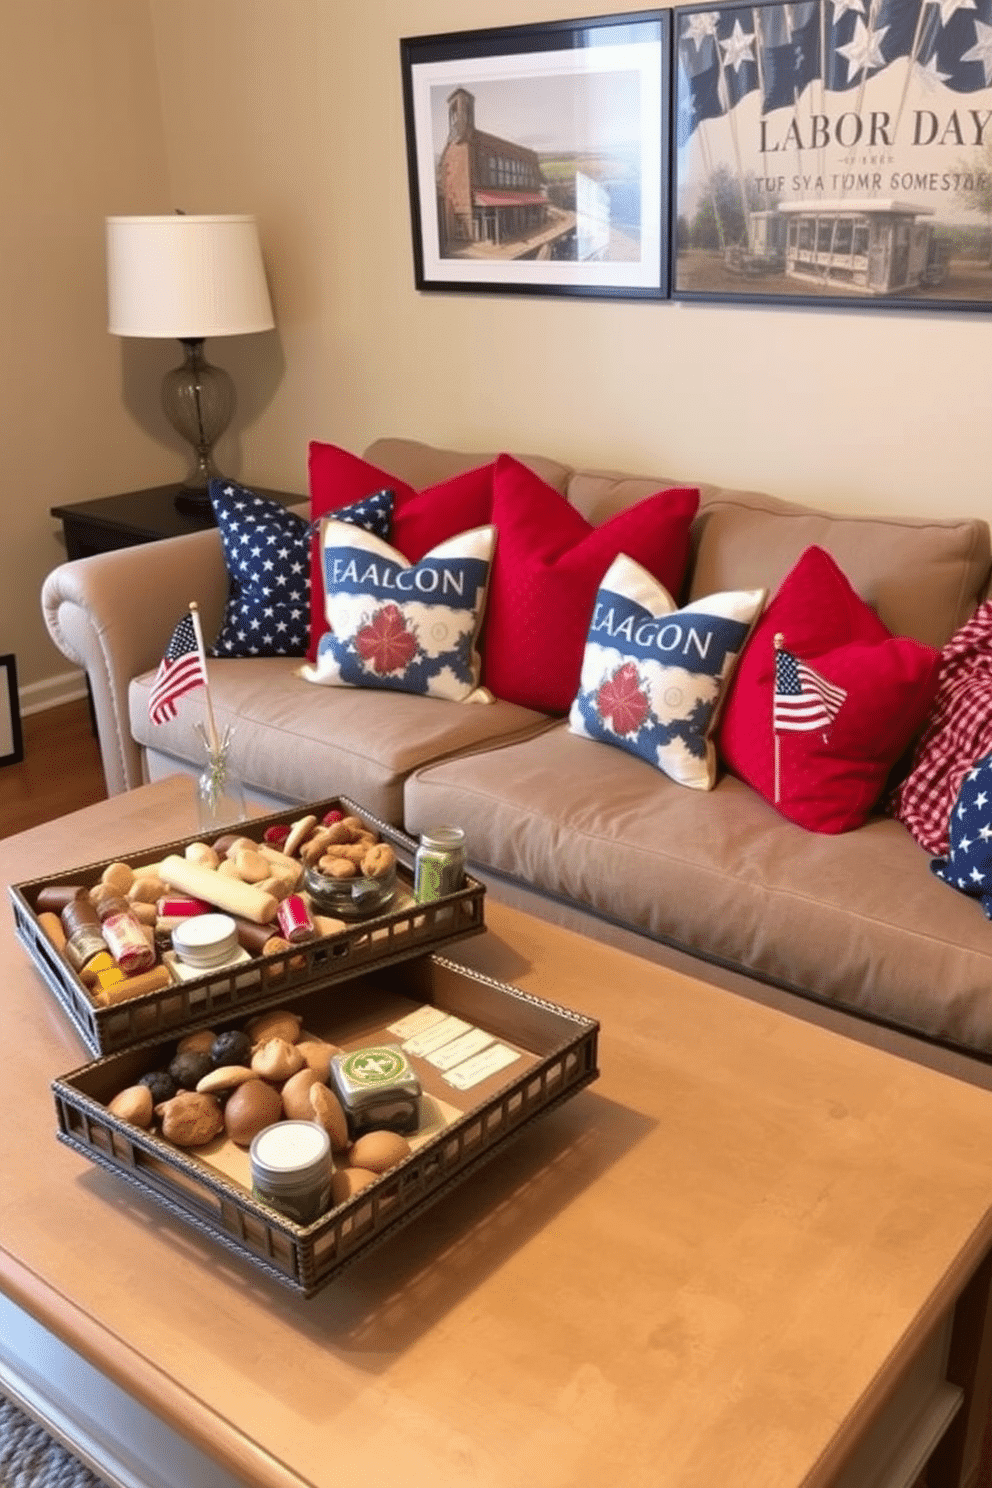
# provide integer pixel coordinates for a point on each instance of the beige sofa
(856, 921)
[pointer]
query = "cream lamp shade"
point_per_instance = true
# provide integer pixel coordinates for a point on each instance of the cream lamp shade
(186, 277)
(189, 277)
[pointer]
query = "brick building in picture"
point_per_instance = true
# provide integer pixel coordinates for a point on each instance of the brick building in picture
(489, 189)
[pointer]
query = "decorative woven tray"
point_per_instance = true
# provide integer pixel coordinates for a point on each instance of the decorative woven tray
(409, 929)
(554, 1053)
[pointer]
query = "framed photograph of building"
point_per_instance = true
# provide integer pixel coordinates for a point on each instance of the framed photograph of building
(11, 740)
(538, 157)
(835, 151)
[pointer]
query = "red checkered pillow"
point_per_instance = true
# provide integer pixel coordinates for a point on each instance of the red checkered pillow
(958, 734)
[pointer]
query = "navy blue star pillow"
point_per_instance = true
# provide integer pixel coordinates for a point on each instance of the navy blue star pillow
(267, 554)
(968, 865)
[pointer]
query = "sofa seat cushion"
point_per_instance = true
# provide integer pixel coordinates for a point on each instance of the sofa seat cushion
(856, 919)
(299, 742)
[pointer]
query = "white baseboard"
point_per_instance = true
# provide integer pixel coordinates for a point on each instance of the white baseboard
(65, 687)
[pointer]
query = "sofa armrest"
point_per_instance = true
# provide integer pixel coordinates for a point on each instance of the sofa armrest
(114, 613)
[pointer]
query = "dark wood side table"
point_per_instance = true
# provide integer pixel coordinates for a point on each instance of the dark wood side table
(134, 517)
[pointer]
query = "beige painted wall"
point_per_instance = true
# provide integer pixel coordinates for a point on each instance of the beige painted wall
(82, 136)
(292, 109)
(856, 410)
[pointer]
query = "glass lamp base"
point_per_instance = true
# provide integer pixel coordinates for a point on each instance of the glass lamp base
(198, 400)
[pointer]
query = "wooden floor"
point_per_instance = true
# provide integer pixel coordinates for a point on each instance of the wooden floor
(60, 771)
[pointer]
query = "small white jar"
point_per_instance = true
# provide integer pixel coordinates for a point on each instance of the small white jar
(291, 1169)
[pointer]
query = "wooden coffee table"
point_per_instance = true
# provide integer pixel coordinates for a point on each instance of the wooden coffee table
(739, 1258)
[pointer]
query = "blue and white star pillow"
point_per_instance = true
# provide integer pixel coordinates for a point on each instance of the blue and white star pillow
(968, 865)
(654, 676)
(411, 627)
(267, 554)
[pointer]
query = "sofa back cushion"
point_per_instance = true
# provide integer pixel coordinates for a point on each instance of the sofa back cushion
(922, 577)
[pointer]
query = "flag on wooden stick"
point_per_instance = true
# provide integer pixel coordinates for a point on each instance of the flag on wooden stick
(802, 700)
(182, 668)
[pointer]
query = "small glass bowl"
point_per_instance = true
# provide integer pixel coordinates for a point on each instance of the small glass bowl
(350, 898)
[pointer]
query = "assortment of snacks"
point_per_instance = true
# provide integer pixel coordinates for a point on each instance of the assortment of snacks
(139, 929)
(280, 1075)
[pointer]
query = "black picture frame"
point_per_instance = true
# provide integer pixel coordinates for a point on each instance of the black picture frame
(499, 125)
(11, 737)
(837, 152)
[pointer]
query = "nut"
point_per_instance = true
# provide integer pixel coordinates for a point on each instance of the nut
(276, 1060)
(378, 861)
(346, 1182)
(190, 1119)
(279, 1023)
(296, 1094)
(240, 844)
(202, 854)
(314, 846)
(353, 851)
(298, 834)
(327, 1109)
(145, 914)
(119, 875)
(341, 831)
(251, 866)
(227, 1077)
(134, 1104)
(277, 886)
(195, 1042)
(148, 888)
(318, 1055)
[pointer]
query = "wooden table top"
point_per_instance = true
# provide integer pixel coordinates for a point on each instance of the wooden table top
(717, 1258)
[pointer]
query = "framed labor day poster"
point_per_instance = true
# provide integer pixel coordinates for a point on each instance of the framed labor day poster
(834, 151)
(538, 157)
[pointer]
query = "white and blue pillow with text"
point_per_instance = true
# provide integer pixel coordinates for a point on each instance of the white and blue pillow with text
(267, 555)
(654, 676)
(412, 627)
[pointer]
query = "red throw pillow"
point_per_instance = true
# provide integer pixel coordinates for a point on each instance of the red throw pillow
(421, 519)
(847, 711)
(548, 568)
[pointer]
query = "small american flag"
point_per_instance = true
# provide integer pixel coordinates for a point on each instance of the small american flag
(803, 699)
(180, 670)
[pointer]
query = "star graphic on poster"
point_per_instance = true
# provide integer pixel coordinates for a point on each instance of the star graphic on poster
(738, 47)
(929, 75)
(982, 50)
(700, 25)
(841, 7)
(864, 50)
(949, 8)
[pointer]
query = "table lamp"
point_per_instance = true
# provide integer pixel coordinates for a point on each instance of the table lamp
(189, 277)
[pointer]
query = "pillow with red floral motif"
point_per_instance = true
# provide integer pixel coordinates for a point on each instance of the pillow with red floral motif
(549, 564)
(825, 701)
(653, 675)
(407, 626)
(421, 519)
